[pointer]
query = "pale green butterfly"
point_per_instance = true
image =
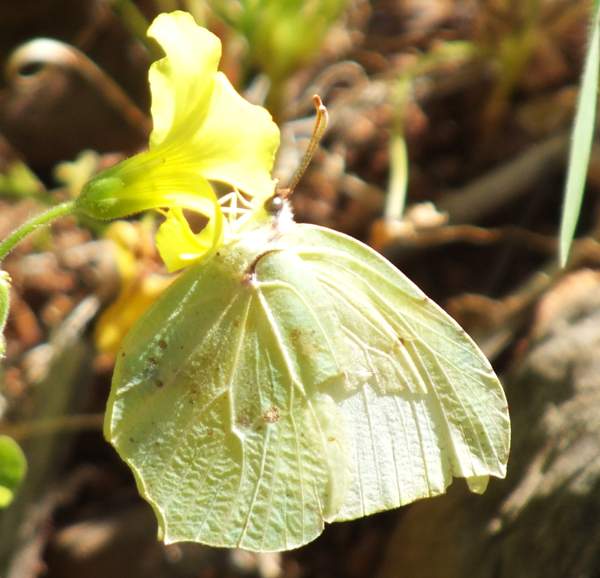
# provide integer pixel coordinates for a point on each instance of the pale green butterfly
(294, 378)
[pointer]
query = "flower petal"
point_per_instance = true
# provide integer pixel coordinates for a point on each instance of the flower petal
(179, 247)
(134, 299)
(237, 142)
(182, 82)
(229, 139)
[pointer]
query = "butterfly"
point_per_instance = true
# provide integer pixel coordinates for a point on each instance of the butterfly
(294, 378)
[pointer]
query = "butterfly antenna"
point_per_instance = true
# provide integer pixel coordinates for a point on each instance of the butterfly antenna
(319, 129)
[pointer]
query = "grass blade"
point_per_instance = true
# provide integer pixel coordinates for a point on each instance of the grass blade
(396, 197)
(583, 133)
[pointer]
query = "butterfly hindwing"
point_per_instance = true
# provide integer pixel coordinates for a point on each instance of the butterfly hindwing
(215, 407)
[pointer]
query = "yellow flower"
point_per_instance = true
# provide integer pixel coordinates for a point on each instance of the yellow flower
(141, 284)
(203, 131)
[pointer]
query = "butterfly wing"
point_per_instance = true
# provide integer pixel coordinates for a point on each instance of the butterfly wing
(423, 402)
(269, 391)
(215, 406)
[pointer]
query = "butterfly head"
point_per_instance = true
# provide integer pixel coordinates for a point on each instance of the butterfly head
(279, 209)
(275, 204)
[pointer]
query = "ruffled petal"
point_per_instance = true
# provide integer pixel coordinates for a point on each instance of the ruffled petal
(179, 246)
(182, 82)
(237, 142)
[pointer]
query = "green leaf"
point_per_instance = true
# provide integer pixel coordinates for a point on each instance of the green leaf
(4, 307)
(297, 378)
(282, 35)
(13, 466)
(581, 145)
(19, 181)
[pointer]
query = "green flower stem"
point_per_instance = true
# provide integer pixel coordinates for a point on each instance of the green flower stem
(135, 21)
(34, 223)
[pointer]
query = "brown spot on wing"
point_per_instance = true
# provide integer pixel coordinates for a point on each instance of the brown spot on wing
(271, 415)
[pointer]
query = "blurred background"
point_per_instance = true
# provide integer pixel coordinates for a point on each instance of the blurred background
(450, 124)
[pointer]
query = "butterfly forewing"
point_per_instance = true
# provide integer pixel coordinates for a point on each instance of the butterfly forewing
(433, 407)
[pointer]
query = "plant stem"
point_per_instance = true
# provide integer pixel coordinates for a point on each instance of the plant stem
(135, 21)
(53, 425)
(34, 223)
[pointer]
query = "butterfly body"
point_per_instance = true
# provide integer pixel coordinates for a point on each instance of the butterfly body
(295, 378)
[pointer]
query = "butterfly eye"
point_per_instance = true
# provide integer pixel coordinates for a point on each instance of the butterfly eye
(274, 204)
